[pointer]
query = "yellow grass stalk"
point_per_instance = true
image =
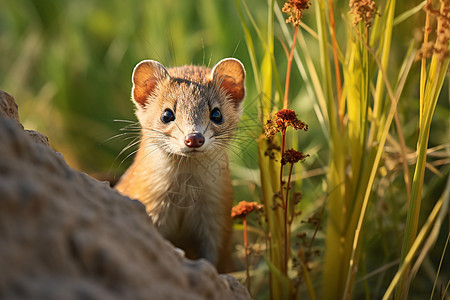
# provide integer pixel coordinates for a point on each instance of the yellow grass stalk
(434, 219)
(432, 83)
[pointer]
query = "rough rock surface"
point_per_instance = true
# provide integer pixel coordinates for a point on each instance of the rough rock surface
(8, 107)
(64, 235)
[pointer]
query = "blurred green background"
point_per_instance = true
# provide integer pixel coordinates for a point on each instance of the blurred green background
(68, 64)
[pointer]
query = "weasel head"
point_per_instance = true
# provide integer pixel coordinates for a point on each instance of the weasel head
(190, 110)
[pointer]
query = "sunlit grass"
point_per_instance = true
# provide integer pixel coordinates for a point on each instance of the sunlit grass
(358, 118)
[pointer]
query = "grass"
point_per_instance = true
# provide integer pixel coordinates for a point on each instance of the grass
(372, 221)
(72, 63)
(357, 121)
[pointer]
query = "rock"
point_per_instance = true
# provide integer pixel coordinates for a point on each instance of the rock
(65, 235)
(8, 107)
(38, 137)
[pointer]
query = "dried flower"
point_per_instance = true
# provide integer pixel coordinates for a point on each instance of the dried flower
(281, 120)
(271, 128)
(425, 51)
(443, 31)
(363, 10)
(292, 156)
(286, 114)
(289, 118)
(441, 46)
(295, 10)
(243, 208)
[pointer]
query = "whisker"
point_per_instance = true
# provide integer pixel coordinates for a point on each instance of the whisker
(179, 128)
(129, 155)
(226, 147)
(179, 164)
(209, 122)
(154, 130)
(238, 152)
(130, 145)
(117, 136)
(149, 146)
(126, 121)
(130, 128)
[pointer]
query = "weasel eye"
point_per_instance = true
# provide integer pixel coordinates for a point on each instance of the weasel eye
(167, 116)
(216, 115)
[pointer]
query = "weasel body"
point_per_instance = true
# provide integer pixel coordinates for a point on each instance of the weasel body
(188, 116)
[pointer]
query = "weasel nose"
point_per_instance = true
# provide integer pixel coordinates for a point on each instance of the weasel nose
(194, 140)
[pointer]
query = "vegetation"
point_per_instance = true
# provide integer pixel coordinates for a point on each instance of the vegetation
(366, 213)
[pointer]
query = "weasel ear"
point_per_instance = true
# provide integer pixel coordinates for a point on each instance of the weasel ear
(229, 74)
(146, 76)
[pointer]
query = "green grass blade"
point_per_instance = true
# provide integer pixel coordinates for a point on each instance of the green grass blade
(443, 202)
(409, 13)
(250, 46)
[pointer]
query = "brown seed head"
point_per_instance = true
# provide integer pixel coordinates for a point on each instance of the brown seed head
(292, 156)
(443, 31)
(425, 51)
(281, 120)
(441, 46)
(363, 10)
(243, 208)
(295, 10)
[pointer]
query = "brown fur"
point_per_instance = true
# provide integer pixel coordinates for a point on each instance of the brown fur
(187, 193)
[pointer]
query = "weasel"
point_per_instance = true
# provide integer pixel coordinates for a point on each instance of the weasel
(188, 116)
